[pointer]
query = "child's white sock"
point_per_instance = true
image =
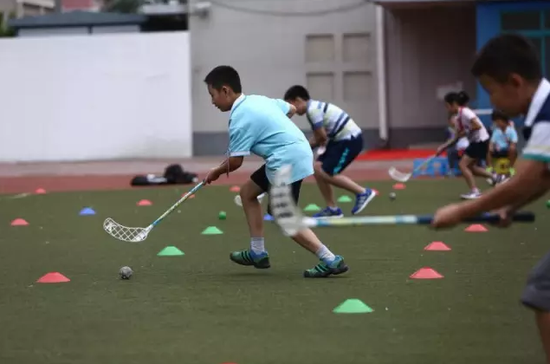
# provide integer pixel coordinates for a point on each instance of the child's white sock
(324, 254)
(257, 245)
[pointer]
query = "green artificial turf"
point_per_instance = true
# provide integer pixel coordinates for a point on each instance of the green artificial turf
(200, 308)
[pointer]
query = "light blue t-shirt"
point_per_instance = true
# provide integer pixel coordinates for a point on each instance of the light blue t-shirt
(502, 139)
(260, 125)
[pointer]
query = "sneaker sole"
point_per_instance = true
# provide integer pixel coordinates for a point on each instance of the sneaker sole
(367, 201)
(249, 265)
(335, 272)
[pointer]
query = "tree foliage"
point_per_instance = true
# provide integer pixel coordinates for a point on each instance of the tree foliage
(122, 6)
(5, 30)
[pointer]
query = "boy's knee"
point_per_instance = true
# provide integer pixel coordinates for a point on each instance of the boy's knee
(318, 169)
(247, 192)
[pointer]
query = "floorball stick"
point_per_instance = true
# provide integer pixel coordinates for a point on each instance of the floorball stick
(404, 177)
(291, 220)
(138, 234)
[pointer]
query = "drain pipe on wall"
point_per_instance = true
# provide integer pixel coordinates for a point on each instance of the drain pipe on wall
(381, 68)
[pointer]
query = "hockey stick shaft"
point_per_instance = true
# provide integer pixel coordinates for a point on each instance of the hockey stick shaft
(174, 206)
(408, 220)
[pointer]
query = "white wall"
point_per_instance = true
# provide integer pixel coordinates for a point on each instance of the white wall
(269, 43)
(89, 98)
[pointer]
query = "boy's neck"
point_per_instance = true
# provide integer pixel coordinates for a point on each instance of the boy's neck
(531, 91)
(234, 98)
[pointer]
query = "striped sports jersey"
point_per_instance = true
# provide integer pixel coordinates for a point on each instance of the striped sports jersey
(537, 125)
(337, 123)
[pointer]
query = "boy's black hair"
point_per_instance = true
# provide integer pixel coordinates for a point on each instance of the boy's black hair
(461, 98)
(224, 76)
(297, 91)
(507, 54)
(499, 115)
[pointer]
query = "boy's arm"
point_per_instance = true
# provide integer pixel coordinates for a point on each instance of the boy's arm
(229, 165)
(241, 141)
(490, 151)
(517, 192)
(291, 111)
(319, 137)
(529, 183)
(315, 118)
(512, 139)
(286, 107)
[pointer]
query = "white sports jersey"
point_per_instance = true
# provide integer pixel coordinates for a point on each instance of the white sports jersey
(464, 120)
(337, 123)
(462, 143)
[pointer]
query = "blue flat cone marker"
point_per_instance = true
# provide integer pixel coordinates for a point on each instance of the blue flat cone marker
(268, 217)
(344, 198)
(312, 207)
(170, 251)
(87, 211)
(352, 305)
(212, 230)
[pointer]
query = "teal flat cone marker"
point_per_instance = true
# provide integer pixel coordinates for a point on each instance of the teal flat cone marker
(170, 251)
(212, 230)
(312, 207)
(87, 211)
(344, 198)
(353, 305)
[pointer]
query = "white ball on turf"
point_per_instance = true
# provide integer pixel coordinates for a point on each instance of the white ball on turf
(125, 272)
(392, 195)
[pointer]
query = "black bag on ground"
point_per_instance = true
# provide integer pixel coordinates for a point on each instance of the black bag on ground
(173, 174)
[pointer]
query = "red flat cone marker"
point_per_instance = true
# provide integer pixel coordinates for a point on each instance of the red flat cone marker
(399, 186)
(19, 222)
(40, 191)
(426, 273)
(437, 246)
(476, 228)
(235, 189)
(144, 203)
(54, 277)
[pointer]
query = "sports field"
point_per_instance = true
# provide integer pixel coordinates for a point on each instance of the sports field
(200, 308)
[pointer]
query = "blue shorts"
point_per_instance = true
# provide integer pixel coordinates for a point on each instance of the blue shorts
(339, 154)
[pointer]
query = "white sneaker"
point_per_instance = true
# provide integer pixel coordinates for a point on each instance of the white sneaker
(471, 196)
(239, 202)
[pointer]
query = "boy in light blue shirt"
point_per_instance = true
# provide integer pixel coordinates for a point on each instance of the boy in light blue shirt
(261, 125)
(503, 141)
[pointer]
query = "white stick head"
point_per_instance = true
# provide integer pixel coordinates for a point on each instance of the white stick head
(399, 176)
(128, 234)
(284, 209)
